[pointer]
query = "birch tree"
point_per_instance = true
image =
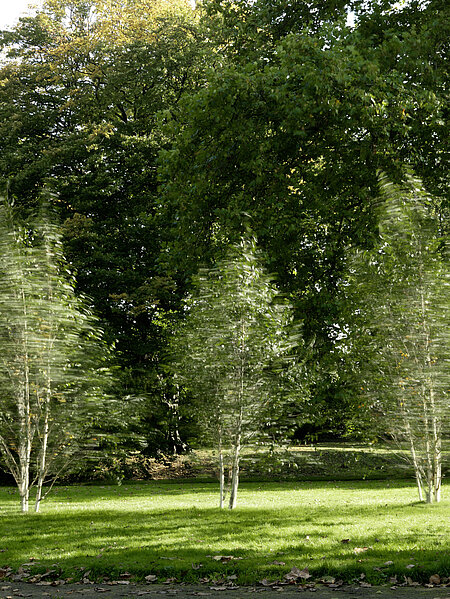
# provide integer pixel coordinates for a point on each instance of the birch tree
(234, 336)
(404, 296)
(46, 366)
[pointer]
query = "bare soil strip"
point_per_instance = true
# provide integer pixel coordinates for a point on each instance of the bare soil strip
(13, 590)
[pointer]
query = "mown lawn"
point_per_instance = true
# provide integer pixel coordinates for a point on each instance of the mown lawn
(174, 529)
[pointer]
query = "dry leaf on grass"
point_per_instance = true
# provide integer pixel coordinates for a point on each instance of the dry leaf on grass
(296, 573)
(223, 558)
(218, 588)
(327, 580)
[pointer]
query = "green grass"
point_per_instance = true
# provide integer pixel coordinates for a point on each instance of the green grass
(173, 529)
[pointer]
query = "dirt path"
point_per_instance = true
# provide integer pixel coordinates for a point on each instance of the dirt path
(13, 590)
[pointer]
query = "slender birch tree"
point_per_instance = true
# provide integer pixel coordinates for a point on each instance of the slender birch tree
(404, 294)
(234, 336)
(48, 343)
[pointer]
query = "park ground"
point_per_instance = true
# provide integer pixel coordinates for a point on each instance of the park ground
(360, 532)
(132, 591)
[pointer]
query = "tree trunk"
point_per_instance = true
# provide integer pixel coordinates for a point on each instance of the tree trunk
(238, 433)
(221, 470)
(415, 461)
(432, 420)
(42, 464)
(24, 412)
(437, 450)
(24, 448)
(235, 463)
(235, 475)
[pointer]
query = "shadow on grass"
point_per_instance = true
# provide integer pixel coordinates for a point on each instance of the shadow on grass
(112, 529)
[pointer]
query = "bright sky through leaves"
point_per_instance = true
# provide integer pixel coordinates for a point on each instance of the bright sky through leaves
(11, 10)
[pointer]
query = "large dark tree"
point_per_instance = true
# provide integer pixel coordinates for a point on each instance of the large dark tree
(82, 90)
(290, 132)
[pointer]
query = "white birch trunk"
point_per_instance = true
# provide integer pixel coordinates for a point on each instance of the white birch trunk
(24, 448)
(221, 470)
(432, 422)
(44, 423)
(42, 463)
(238, 433)
(24, 412)
(235, 468)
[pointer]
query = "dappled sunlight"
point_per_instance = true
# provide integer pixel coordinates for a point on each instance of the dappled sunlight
(167, 528)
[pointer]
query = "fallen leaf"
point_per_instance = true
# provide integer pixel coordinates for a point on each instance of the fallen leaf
(218, 588)
(223, 558)
(151, 578)
(170, 580)
(196, 566)
(410, 566)
(336, 584)
(327, 580)
(275, 563)
(360, 549)
(345, 540)
(389, 563)
(295, 573)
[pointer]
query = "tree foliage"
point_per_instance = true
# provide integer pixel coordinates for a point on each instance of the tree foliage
(403, 293)
(80, 94)
(164, 129)
(50, 369)
(234, 338)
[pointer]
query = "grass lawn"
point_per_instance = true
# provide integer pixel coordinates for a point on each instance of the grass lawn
(173, 529)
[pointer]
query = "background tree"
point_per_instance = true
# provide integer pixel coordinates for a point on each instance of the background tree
(291, 129)
(235, 334)
(403, 293)
(83, 84)
(50, 388)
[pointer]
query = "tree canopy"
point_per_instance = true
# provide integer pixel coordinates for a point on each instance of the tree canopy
(165, 131)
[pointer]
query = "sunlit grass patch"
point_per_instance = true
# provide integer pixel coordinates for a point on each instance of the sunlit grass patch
(175, 530)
